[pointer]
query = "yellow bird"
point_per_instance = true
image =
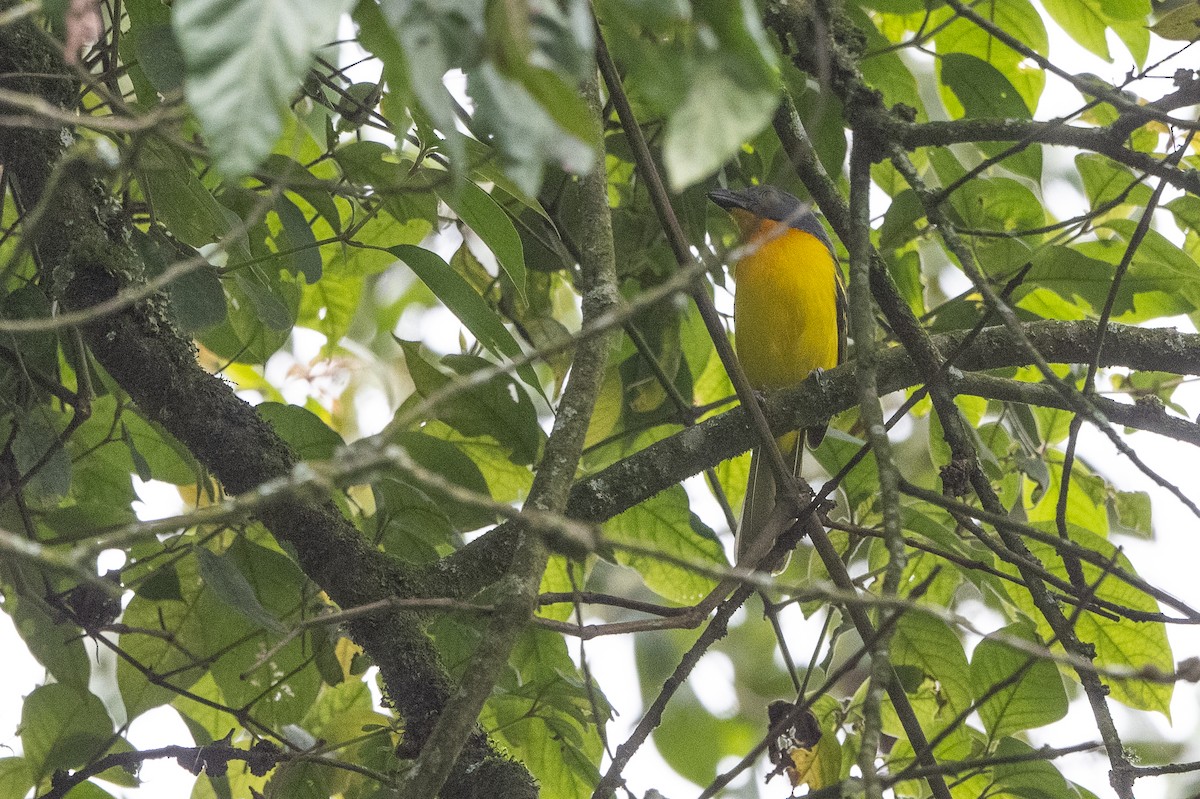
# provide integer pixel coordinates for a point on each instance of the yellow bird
(789, 317)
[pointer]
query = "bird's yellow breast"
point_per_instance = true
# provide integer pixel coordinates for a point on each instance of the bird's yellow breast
(785, 308)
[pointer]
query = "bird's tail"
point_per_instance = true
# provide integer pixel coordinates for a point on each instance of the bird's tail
(760, 496)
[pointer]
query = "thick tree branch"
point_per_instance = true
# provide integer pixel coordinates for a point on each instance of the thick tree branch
(665, 463)
(518, 595)
(85, 261)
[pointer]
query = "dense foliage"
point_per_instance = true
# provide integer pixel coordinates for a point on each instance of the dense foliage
(419, 307)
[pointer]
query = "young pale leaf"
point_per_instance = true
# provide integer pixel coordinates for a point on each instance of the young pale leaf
(665, 523)
(245, 60)
(1034, 695)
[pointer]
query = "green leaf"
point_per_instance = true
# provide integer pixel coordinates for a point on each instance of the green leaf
(693, 741)
(269, 306)
(998, 203)
(160, 57)
(718, 114)
(222, 576)
(523, 131)
(164, 456)
(37, 440)
(1181, 23)
(163, 583)
(1133, 513)
(981, 88)
(1026, 777)
(303, 430)
(278, 588)
(1104, 181)
(306, 257)
(62, 727)
(1119, 643)
(245, 61)
(183, 204)
(1021, 20)
(57, 645)
(37, 352)
(1084, 21)
(836, 450)
(666, 524)
(1033, 699)
(434, 40)
(15, 780)
(929, 646)
(465, 303)
(89, 790)
(1151, 287)
(499, 408)
(543, 713)
(197, 296)
(412, 523)
(445, 459)
(488, 220)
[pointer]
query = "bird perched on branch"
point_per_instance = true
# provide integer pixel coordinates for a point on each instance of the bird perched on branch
(789, 319)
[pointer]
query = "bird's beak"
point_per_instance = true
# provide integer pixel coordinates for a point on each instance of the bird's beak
(727, 199)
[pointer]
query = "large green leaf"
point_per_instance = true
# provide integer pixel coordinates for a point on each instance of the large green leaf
(525, 133)
(221, 576)
(1025, 777)
(1034, 698)
(1017, 17)
(245, 60)
(941, 681)
(1118, 642)
(732, 94)
(58, 645)
(302, 429)
(981, 88)
(448, 461)
(62, 726)
(666, 524)
(544, 713)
